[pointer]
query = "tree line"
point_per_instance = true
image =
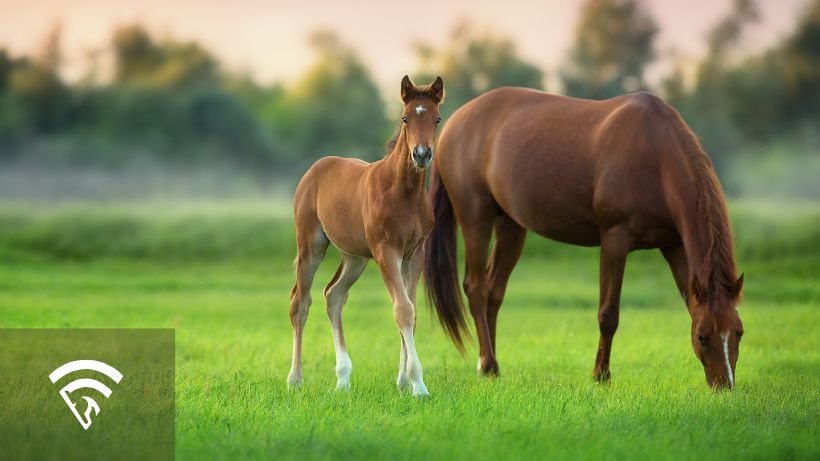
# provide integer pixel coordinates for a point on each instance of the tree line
(172, 101)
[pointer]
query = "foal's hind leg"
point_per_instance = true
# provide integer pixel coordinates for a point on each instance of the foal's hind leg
(311, 244)
(349, 271)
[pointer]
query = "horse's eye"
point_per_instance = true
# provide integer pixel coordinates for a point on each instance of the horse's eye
(703, 340)
(404, 120)
(739, 335)
(438, 120)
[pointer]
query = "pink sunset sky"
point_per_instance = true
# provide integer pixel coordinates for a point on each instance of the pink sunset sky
(268, 39)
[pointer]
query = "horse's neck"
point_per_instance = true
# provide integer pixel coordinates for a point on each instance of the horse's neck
(703, 239)
(401, 173)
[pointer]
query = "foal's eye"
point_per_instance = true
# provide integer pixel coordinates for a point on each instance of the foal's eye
(438, 120)
(739, 335)
(703, 340)
(404, 120)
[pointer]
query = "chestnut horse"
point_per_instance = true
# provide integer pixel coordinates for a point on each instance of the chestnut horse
(376, 210)
(625, 173)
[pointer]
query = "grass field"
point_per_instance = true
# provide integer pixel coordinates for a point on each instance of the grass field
(220, 274)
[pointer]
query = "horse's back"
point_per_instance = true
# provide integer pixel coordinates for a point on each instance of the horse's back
(550, 162)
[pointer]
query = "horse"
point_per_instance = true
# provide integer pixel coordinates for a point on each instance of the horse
(624, 174)
(377, 211)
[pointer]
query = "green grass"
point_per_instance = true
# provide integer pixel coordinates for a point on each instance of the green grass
(221, 275)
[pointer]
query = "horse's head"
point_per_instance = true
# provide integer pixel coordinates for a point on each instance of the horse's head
(420, 118)
(716, 329)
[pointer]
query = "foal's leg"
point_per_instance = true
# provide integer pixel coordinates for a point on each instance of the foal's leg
(411, 272)
(311, 244)
(615, 246)
(404, 313)
(349, 271)
(509, 241)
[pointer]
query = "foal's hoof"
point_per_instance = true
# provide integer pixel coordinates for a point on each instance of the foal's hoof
(342, 386)
(420, 391)
(403, 384)
(294, 383)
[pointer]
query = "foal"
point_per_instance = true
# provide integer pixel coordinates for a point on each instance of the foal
(376, 210)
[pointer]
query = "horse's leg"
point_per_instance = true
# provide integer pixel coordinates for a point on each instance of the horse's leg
(350, 269)
(311, 244)
(476, 240)
(676, 257)
(404, 313)
(509, 241)
(410, 272)
(615, 246)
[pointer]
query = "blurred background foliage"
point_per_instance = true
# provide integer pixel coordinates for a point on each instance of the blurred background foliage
(170, 106)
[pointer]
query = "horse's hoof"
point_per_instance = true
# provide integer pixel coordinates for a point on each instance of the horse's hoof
(342, 386)
(294, 384)
(602, 376)
(489, 369)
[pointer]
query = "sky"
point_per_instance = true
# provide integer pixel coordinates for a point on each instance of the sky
(268, 39)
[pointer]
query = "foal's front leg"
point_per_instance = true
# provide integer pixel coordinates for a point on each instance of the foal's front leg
(404, 313)
(349, 271)
(410, 273)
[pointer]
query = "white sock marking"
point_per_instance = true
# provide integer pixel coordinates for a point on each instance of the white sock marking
(725, 338)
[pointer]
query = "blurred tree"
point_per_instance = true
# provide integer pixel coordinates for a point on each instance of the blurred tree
(335, 108)
(614, 42)
(37, 85)
(138, 59)
(801, 70)
(472, 63)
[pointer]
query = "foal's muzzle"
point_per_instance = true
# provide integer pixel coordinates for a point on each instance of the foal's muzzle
(422, 155)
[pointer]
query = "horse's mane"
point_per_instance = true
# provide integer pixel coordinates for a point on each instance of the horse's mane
(718, 274)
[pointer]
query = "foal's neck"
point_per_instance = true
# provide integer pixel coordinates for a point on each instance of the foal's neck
(405, 175)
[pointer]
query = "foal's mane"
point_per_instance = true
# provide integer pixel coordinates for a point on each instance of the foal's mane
(718, 272)
(391, 144)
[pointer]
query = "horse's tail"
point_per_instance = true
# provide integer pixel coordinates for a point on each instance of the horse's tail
(440, 267)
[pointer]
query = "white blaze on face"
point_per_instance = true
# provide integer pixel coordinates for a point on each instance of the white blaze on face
(420, 110)
(725, 338)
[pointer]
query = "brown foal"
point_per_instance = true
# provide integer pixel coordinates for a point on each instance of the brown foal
(625, 173)
(376, 210)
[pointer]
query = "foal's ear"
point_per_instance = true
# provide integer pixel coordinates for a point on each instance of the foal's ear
(698, 290)
(408, 90)
(436, 91)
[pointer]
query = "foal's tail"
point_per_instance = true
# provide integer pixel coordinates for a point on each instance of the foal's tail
(440, 267)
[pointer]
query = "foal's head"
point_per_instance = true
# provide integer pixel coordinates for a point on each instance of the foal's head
(420, 118)
(716, 329)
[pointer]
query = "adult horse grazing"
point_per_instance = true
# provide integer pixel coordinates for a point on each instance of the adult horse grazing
(376, 210)
(625, 173)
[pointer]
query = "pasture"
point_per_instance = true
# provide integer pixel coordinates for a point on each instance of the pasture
(220, 274)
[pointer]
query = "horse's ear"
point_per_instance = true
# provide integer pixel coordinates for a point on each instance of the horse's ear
(698, 290)
(408, 90)
(738, 286)
(437, 90)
